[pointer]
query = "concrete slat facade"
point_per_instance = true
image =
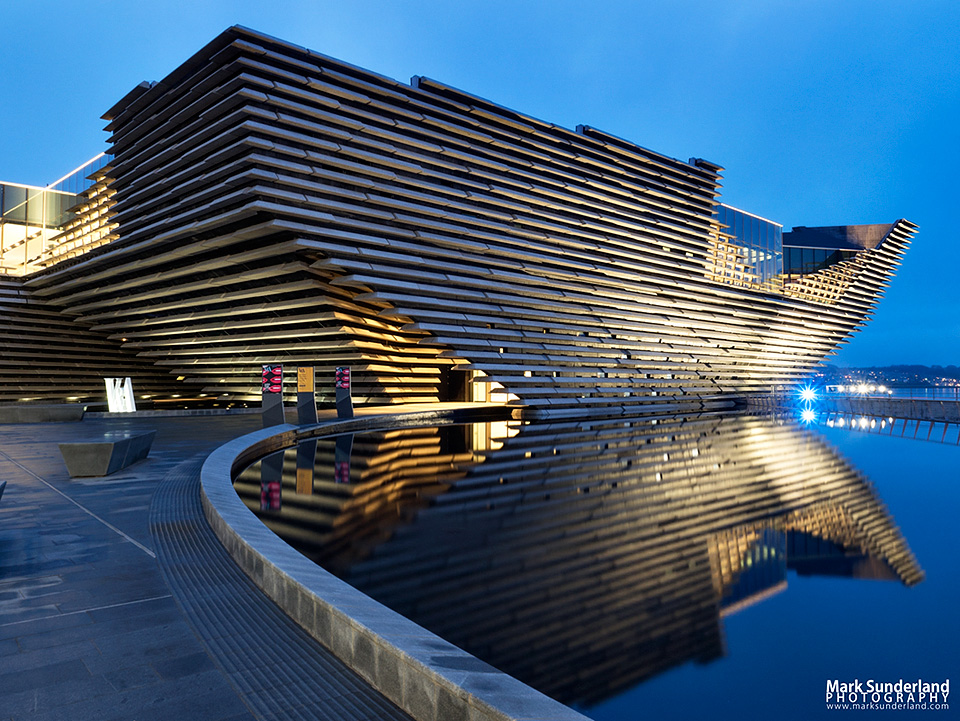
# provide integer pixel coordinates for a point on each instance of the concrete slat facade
(276, 205)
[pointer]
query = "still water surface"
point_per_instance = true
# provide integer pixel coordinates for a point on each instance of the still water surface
(696, 567)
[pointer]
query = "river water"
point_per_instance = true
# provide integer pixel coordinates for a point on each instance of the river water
(677, 568)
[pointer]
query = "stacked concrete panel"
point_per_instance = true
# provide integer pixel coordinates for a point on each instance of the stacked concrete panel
(48, 357)
(91, 226)
(276, 205)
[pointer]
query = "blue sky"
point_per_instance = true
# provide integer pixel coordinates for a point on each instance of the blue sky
(823, 112)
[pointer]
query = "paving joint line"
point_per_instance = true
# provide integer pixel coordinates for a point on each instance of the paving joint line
(80, 506)
(87, 610)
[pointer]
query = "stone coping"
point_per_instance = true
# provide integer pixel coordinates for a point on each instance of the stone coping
(174, 413)
(423, 674)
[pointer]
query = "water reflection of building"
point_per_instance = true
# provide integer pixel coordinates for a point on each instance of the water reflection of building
(583, 560)
(335, 512)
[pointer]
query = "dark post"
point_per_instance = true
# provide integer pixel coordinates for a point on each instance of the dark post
(344, 401)
(271, 482)
(272, 394)
(306, 462)
(341, 458)
(306, 396)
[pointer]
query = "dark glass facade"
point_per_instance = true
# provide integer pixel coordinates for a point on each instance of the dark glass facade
(803, 261)
(761, 239)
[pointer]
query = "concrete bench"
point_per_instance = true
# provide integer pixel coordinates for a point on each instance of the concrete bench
(41, 413)
(117, 449)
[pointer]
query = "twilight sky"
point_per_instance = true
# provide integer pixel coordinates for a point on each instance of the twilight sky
(823, 112)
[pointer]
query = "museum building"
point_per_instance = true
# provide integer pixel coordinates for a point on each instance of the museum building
(265, 203)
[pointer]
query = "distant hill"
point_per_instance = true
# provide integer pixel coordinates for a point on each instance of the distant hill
(913, 375)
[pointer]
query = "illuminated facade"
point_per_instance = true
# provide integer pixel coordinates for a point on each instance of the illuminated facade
(39, 226)
(265, 203)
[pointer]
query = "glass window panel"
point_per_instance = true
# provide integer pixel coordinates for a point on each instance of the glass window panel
(35, 207)
(15, 204)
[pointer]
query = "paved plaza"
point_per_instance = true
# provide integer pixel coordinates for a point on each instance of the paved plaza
(117, 603)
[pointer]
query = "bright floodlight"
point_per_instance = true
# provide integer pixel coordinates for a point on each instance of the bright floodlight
(808, 415)
(808, 394)
(862, 388)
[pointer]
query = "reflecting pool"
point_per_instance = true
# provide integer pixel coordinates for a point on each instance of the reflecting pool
(703, 566)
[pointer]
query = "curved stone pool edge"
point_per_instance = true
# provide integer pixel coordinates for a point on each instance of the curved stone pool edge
(424, 675)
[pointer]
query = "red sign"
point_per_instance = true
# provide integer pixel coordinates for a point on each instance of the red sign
(270, 496)
(343, 378)
(272, 381)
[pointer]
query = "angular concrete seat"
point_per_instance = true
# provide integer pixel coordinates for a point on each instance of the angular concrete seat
(41, 413)
(117, 449)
